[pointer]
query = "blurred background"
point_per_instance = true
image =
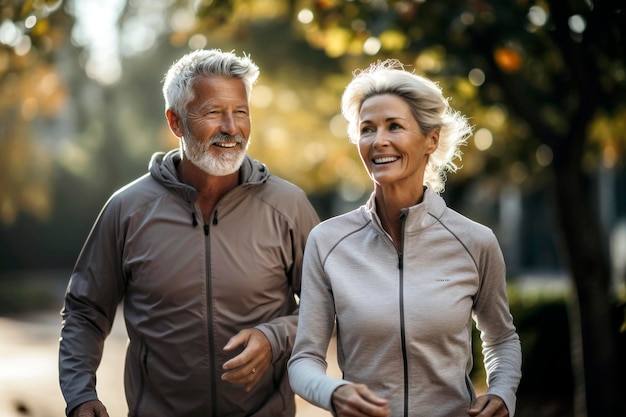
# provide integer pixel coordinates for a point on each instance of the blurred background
(544, 83)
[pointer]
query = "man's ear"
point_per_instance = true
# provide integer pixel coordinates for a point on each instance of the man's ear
(174, 122)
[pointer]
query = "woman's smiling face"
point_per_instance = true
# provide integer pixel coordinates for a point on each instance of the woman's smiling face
(391, 144)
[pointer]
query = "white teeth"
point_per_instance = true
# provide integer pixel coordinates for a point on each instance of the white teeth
(226, 144)
(385, 159)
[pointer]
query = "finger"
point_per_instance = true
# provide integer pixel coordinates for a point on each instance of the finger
(257, 351)
(488, 406)
(477, 406)
(355, 400)
(248, 377)
(244, 374)
(255, 378)
(240, 339)
(372, 398)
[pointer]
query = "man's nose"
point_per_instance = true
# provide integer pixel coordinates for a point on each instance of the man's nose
(228, 125)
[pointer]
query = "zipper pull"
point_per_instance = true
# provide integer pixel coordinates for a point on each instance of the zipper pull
(206, 229)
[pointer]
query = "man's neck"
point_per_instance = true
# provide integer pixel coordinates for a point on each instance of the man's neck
(210, 188)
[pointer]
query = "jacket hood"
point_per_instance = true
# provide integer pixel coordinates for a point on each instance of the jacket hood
(162, 168)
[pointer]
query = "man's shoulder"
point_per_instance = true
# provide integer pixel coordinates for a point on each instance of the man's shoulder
(278, 185)
(282, 194)
(136, 193)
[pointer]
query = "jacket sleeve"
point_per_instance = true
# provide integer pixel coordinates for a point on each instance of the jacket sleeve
(94, 291)
(308, 364)
(501, 347)
(281, 331)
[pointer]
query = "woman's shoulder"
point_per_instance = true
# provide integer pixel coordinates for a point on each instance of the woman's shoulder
(341, 225)
(471, 232)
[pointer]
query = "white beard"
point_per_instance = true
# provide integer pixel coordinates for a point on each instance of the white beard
(199, 153)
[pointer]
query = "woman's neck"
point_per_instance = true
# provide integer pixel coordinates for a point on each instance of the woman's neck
(389, 205)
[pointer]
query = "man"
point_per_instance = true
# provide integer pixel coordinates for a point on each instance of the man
(205, 252)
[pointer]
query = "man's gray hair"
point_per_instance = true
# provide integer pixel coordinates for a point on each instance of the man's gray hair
(178, 81)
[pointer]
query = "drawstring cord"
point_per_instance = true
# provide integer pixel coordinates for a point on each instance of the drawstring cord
(194, 220)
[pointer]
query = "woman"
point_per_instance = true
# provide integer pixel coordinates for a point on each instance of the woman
(403, 276)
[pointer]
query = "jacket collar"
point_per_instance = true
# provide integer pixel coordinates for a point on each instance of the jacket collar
(419, 216)
(162, 168)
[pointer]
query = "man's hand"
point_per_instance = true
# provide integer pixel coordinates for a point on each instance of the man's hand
(248, 367)
(356, 400)
(93, 408)
(488, 406)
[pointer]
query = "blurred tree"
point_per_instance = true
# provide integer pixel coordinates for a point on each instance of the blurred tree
(30, 88)
(555, 70)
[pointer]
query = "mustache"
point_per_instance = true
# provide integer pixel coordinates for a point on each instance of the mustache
(226, 138)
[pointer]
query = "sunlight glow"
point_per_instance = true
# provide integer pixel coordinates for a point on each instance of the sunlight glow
(315, 152)
(577, 23)
(197, 41)
(287, 100)
(96, 29)
(544, 155)
(338, 126)
(476, 77)
(483, 139)
(262, 96)
(537, 16)
(9, 33)
(305, 16)
(30, 22)
(496, 115)
(371, 46)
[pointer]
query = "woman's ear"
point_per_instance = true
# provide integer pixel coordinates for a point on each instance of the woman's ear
(174, 123)
(433, 141)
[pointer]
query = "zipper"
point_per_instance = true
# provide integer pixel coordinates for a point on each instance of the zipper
(405, 363)
(209, 303)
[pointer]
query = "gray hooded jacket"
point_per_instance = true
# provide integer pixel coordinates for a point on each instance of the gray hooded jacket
(187, 288)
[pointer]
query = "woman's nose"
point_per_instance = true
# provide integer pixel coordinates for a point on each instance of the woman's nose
(380, 139)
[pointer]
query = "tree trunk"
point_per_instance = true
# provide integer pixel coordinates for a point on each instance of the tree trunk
(588, 263)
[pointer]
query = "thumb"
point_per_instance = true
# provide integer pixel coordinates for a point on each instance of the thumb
(239, 339)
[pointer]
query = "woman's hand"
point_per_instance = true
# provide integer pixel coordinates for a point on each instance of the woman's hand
(488, 406)
(356, 400)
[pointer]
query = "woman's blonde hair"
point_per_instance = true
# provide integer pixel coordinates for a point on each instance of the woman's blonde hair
(428, 106)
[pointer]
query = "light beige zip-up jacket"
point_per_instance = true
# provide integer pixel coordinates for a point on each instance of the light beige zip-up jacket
(404, 316)
(186, 288)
